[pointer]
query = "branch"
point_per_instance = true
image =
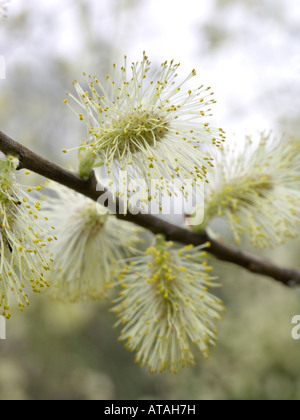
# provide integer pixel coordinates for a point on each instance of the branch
(41, 166)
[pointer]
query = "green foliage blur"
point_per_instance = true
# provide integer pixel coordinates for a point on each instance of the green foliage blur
(63, 351)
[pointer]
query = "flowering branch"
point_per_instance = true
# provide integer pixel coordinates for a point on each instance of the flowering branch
(88, 188)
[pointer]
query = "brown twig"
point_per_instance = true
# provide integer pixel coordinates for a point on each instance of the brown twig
(41, 166)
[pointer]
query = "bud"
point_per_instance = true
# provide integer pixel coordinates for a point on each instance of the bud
(23, 238)
(91, 246)
(256, 190)
(165, 307)
(150, 128)
(86, 160)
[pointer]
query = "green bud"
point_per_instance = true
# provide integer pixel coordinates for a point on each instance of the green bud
(86, 160)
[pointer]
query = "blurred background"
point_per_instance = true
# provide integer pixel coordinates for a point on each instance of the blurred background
(249, 52)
